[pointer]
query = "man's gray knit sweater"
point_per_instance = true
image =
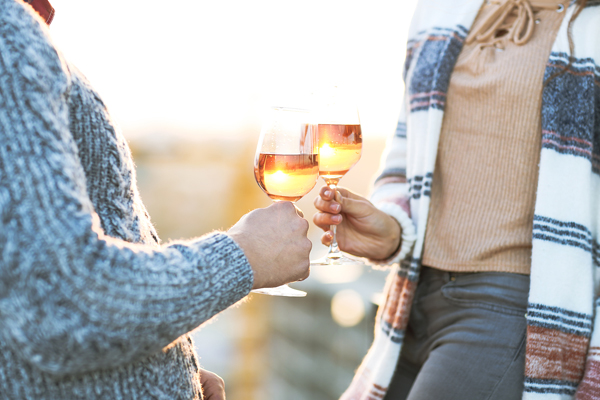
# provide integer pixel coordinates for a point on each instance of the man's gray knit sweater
(91, 307)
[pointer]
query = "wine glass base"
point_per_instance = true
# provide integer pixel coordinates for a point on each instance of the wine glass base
(284, 291)
(336, 259)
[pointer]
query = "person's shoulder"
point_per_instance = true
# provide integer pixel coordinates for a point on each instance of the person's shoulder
(27, 51)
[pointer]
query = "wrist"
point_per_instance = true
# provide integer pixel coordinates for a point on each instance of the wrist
(407, 231)
(395, 238)
(245, 248)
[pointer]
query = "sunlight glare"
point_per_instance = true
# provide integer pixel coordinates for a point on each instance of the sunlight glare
(208, 68)
(326, 151)
(347, 308)
(279, 177)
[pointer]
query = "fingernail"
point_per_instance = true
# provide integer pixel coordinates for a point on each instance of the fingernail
(336, 218)
(326, 193)
(335, 207)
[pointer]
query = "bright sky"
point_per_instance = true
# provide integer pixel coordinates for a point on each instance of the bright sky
(210, 67)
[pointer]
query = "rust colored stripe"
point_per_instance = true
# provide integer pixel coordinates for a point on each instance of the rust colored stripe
(552, 354)
(397, 305)
(588, 388)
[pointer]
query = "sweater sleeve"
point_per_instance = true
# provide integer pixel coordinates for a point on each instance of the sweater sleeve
(72, 299)
(391, 189)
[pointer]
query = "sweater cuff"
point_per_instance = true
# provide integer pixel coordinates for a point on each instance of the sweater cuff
(234, 275)
(409, 234)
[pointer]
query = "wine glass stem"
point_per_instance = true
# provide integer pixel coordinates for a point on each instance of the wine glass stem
(334, 249)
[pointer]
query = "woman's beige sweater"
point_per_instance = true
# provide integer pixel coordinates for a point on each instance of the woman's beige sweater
(483, 191)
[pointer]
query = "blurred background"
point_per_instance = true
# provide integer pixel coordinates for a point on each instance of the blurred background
(188, 82)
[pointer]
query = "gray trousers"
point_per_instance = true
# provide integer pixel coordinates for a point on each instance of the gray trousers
(465, 338)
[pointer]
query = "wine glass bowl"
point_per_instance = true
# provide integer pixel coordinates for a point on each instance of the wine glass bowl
(286, 166)
(286, 177)
(340, 147)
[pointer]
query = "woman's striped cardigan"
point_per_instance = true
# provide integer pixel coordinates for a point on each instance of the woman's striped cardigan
(563, 337)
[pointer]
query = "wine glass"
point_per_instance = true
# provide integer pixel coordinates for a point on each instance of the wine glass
(286, 166)
(340, 147)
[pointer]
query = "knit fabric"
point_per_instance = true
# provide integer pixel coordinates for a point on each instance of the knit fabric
(91, 306)
(483, 194)
(563, 335)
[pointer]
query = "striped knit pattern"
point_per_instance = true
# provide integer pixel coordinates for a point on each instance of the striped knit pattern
(563, 338)
(91, 306)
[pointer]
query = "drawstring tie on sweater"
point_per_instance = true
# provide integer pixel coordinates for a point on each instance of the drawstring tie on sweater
(512, 20)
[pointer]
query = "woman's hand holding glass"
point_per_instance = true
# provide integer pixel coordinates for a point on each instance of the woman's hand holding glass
(362, 229)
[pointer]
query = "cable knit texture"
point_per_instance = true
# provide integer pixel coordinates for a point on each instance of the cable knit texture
(91, 306)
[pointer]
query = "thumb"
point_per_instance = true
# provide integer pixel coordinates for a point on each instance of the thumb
(355, 206)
